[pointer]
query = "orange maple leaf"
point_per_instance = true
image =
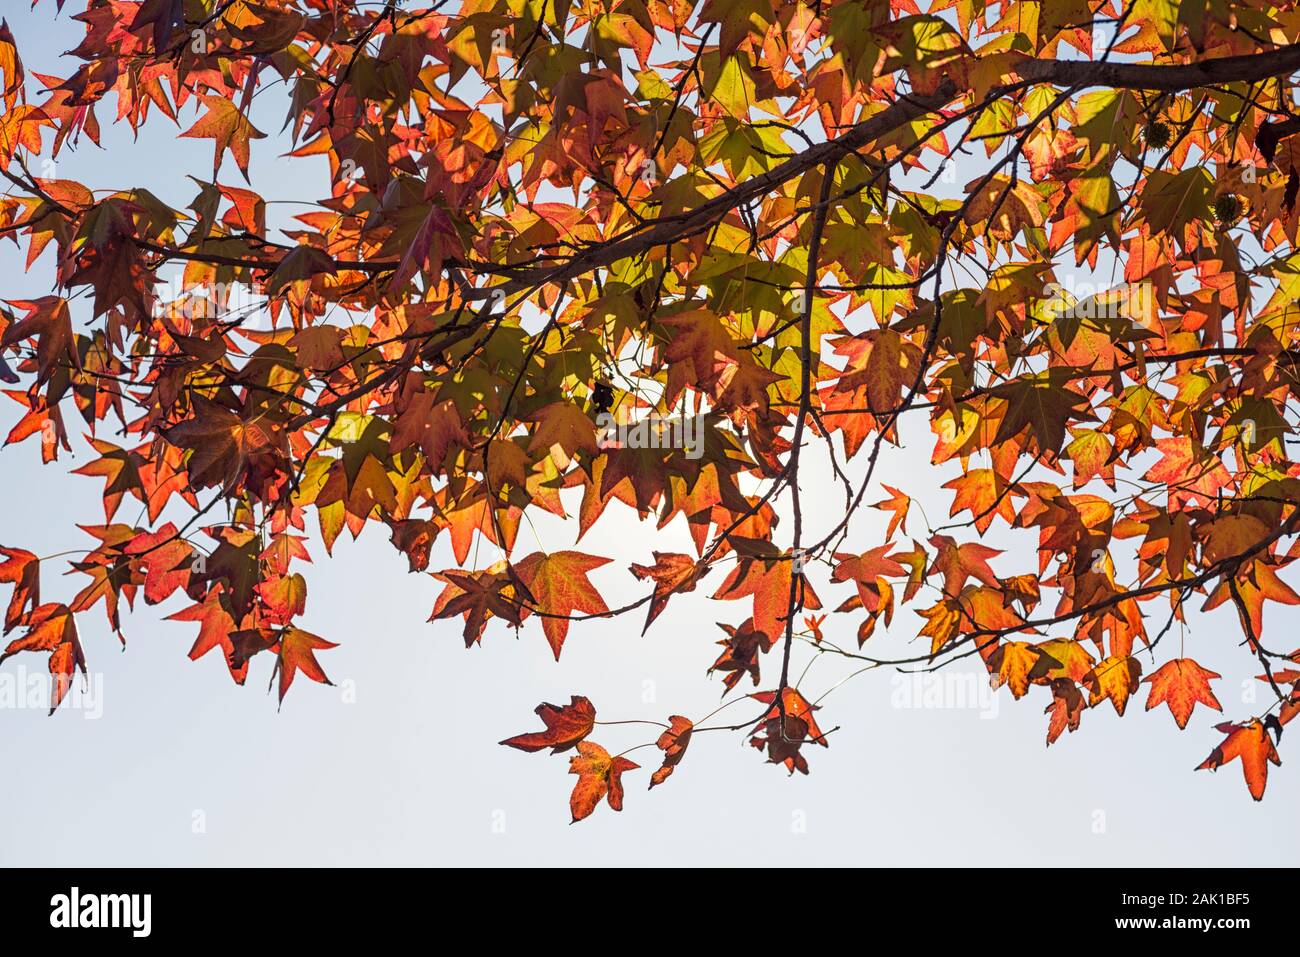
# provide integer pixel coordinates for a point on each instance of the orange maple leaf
(673, 573)
(1115, 678)
(298, 653)
(673, 743)
(598, 775)
(1181, 683)
(1065, 710)
(229, 128)
(768, 581)
(566, 725)
(21, 569)
(219, 442)
(959, 562)
(50, 323)
(216, 630)
(560, 586)
(1251, 743)
(898, 503)
(52, 628)
(787, 726)
(1017, 663)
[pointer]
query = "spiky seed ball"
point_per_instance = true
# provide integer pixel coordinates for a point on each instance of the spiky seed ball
(1227, 208)
(1156, 135)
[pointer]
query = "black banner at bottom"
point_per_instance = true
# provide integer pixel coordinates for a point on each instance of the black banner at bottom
(338, 906)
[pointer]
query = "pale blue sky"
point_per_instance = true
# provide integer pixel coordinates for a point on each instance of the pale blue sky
(410, 772)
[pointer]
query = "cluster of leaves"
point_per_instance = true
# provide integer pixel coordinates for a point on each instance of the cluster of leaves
(540, 211)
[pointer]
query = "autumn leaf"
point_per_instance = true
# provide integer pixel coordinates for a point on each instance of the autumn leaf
(768, 582)
(1189, 469)
(168, 561)
(11, 65)
(230, 129)
(566, 725)
(436, 427)
(283, 597)
(52, 628)
(49, 322)
(1073, 660)
(1065, 710)
(985, 494)
(866, 569)
(741, 653)
(478, 597)
(673, 573)
(219, 442)
(1181, 684)
(1258, 584)
(898, 503)
(559, 585)
(1249, 742)
(301, 264)
(563, 430)
(166, 16)
(673, 743)
(889, 369)
(957, 562)
(786, 727)
(120, 469)
(1017, 663)
(1114, 678)
(1042, 406)
(21, 569)
(298, 654)
(599, 776)
(216, 626)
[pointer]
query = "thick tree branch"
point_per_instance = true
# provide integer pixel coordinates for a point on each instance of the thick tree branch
(1077, 74)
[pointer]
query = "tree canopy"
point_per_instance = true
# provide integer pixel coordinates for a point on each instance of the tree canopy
(689, 258)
